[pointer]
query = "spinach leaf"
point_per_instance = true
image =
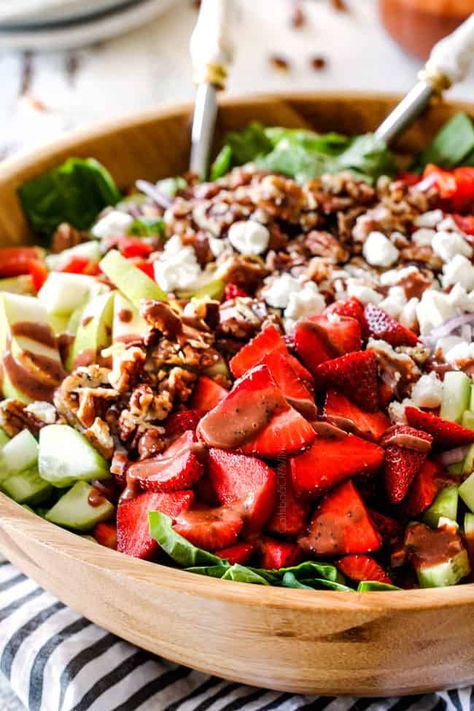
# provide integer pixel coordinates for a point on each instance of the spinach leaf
(290, 580)
(453, 145)
(242, 574)
(330, 144)
(247, 144)
(178, 548)
(296, 162)
(307, 571)
(75, 192)
(212, 571)
(147, 227)
(367, 155)
(371, 586)
(222, 164)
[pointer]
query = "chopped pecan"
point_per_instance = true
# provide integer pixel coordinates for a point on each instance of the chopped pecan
(422, 254)
(14, 418)
(99, 436)
(84, 394)
(179, 384)
(324, 244)
(244, 271)
(161, 317)
(127, 368)
(147, 406)
(151, 442)
(242, 317)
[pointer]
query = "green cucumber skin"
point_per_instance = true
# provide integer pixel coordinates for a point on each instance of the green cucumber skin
(456, 395)
(444, 574)
(74, 511)
(445, 505)
(20, 453)
(27, 487)
(66, 456)
(466, 492)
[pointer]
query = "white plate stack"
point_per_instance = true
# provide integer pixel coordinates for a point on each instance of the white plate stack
(62, 24)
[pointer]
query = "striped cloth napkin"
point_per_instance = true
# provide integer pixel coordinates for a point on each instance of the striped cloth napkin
(57, 660)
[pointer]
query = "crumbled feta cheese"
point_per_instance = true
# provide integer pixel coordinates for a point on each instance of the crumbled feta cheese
(461, 300)
(177, 267)
(395, 276)
(458, 271)
(205, 221)
(448, 244)
(449, 224)
(423, 237)
(428, 391)
(362, 292)
(249, 237)
(396, 411)
(113, 224)
(460, 352)
(443, 345)
(394, 302)
(433, 309)
(43, 411)
(307, 301)
(217, 246)
(379, 251)
(408, 313)
(429, 219)
(279, 290)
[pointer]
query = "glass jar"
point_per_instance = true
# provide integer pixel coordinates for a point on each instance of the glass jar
(418, 24)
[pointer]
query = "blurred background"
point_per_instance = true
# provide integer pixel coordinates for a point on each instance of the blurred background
(67, 63)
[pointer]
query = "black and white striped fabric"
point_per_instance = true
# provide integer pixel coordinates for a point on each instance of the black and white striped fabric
(56, 660)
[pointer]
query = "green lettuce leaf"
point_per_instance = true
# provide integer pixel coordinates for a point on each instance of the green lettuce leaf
(178, 548)
(147, 227)
(242, 574)
(75, 192)
(453, 145)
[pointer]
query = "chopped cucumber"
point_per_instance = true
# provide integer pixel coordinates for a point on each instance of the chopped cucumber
(469, 524)
(4, 438)
(66, 456)
(445, 505)
(130, 280)
(27, 487)
(74, 510)
(456, 395)
(466, 492)
(20, 453)
(468, 463)
(449, 572)
(471, 401)
(468, 420)
(456, 469)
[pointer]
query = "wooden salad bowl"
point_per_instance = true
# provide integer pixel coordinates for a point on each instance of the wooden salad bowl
(370, 644)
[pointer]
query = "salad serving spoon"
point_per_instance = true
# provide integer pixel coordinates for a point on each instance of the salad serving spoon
(449, 63)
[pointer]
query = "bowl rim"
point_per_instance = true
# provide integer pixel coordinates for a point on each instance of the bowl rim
(66, 543)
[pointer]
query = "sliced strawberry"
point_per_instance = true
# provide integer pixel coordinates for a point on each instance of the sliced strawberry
(329, 461)
(207, 394)
(366, 424)
(355, 374)
(293, 388)
(390, 530)
(290, 513)
(277, 554)
(245, 481)
(181, 421)
(381, 325)
(424, 489)
(406, 450)
(362, 568)
(341, 525)
(352, 308)
(232, 291)
(320, 338)
(256, 419)
(106, 535)
(446, 434)
(210, 529)
(177, 468)
(133, 531)
(237, 554)
(267, 341)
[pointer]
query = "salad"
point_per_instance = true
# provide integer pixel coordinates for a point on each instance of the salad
(266, 377)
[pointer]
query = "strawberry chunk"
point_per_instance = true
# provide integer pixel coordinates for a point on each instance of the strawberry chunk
(106, 535)
(209, 528)
(293, 388)
(329, 461)
(341, 525)
(381, 325)
(256, 419)
(424, 489)
(406, 450)
(278, 554)
(390, 530)
(207, 394)
(446, 434)
(238, 554)
(177, 468)
(267, 341)
(181, 421)
(232, 291)
(133, 530)
(362, 568)
(354, 374)
(352, 308)
(320, 338)
(290, 513)
(243, 482)
(370, 425)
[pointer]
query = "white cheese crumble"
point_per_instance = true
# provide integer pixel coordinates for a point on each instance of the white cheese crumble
(396, 411)
(279, 289)
(395, 276)
(307, 301)
(428, 391)
(249, 237)
(394, 302)
(113, 224)
(429, 219)
(43, 411)
(177, 267)
(217, 246)
(379, 251)
(408, 314)
(433, 309)
(448, 244)
(364, 293)
(461, 300)
(460, 352)
(423, 237)
(458, 271)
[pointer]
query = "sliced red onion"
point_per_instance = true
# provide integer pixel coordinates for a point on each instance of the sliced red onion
(448, 327)
(453, 456)
(156, 195)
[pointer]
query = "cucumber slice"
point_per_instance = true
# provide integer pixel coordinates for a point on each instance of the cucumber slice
(4, 438)
(74, 510)
(66, 456)
(468, 463)
(469, 524)
(456, 469)
(468, 420)
(466, 492)
(27, 487)
(444, 506)
(20, 453)
(449, 572)
(130, 280)
(456, 395)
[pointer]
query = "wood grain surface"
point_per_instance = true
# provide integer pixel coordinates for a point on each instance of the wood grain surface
(370, 644)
